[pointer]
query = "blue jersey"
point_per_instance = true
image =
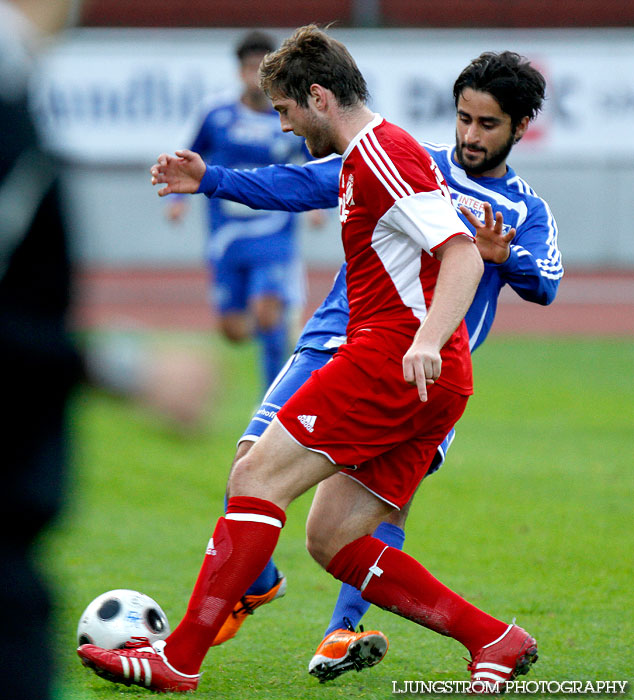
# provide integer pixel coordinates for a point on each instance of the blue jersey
(234, 136)
(534, 266)
(533, 269)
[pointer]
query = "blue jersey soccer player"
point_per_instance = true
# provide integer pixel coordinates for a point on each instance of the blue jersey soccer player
(252, 256)
(518, 246)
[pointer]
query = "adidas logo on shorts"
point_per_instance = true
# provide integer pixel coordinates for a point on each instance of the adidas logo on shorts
(308, 422)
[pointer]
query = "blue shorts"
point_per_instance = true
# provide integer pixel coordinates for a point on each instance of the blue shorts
(235, 285)
(294, 373)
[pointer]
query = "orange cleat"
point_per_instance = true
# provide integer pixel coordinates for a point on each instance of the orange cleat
(246, 606)
(347, 650)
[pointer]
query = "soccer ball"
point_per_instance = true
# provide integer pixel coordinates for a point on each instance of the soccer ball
(114, 617)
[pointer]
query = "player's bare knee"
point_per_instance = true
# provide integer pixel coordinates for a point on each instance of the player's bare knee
(243, 447)
(267, 320)
(319, 547)
(235, 335)
(243, 479)
(268, 313)
(323, 540)
(258, 477)
(235, 328)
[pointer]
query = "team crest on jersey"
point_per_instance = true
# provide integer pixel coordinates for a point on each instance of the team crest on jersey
(347, 201)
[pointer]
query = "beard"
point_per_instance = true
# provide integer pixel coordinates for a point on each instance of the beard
(489, 161)
(318, 147)
(318, 137)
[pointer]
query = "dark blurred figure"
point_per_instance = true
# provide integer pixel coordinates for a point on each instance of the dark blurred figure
(38, 362)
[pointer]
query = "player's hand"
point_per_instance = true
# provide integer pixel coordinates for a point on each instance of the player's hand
(494, 245)
(421, 366)
(181, 173)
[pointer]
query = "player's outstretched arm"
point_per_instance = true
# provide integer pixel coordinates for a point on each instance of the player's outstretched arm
(181, 173)
(494, 245)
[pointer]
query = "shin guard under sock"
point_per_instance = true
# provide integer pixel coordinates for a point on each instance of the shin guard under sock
(394, 581)
(350, 606)
(239, 549)
(266, 580)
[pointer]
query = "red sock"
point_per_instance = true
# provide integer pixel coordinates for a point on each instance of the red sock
(238, 551)
(396, 582)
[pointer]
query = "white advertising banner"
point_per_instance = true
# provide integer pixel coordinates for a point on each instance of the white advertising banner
(123, 96)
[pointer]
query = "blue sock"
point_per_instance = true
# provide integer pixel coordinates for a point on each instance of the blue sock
(350, 606)
(266, 580)
(273, 350)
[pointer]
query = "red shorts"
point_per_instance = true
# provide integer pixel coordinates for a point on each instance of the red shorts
(359, 412)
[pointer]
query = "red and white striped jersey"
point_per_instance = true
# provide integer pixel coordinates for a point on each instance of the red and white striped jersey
(395, 210)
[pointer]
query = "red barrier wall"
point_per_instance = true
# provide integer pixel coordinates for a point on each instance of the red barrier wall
(390, 13)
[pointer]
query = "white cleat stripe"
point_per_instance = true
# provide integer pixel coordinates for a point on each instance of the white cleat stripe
(137, 669)
(148, 672)
(125, 664)
(500, 638)
(493, 676)
(494, 667)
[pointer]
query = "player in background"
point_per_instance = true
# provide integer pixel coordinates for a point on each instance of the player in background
(412, 271)
(255, 269)
(518, 246)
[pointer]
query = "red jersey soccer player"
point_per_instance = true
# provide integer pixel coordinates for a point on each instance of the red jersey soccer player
(375, 413)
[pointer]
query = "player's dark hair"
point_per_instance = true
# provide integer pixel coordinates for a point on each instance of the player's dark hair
(311, 56)
(518, 87)
(255, 42)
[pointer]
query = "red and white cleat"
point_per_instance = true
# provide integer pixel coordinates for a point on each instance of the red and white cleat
(140, 663)
(502, 660)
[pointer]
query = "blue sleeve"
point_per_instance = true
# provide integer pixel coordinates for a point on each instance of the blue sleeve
(203, 143)
(314, 185)
(534, 267)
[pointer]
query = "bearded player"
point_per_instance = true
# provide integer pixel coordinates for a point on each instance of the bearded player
(496, 97)
(508, 643)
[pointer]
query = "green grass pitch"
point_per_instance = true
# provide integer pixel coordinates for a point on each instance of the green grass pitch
(531, 517)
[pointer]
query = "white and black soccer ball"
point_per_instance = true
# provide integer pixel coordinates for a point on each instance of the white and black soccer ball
(115, 617)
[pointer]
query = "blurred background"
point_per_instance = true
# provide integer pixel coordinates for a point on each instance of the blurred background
(123, 86)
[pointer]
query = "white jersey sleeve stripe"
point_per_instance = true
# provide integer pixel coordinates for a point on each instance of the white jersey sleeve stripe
(379, 174)
(553, 262)
(383, 158)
